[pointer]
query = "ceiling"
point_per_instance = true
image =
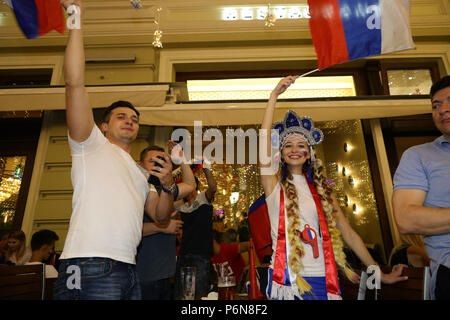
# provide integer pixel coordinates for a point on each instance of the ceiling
(188, 23)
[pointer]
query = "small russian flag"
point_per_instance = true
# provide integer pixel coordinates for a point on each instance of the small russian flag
(345, 30)
(38, 17)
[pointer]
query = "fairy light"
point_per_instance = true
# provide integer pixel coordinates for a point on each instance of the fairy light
(270, 18)
(157, 35)
(8, 187)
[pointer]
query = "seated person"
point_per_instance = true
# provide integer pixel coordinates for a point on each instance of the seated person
(16, 252)
(42, 245)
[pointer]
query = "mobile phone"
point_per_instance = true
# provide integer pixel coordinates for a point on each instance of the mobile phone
(154, 180)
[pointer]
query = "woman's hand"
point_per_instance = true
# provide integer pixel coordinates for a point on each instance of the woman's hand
(283, 85)
(395, 275)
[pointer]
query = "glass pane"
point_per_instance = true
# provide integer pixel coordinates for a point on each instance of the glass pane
(238, 185)
(344, 155)
(259, 89)
(11, 172)
(409, 82)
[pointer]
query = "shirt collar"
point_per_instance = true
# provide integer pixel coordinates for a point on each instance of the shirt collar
(442, 140)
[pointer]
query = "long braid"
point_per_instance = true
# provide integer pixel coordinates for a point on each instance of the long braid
(324, 191)
(297, 251)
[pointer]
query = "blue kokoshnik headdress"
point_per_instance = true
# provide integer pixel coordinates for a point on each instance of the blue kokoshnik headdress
(293, 124)
(304, 126)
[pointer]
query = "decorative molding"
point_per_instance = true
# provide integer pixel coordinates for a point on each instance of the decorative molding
(58, 166)
(169, 58)
(55, 194)
(52, 222)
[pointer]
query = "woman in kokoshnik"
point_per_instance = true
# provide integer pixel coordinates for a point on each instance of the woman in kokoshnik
(307, 225)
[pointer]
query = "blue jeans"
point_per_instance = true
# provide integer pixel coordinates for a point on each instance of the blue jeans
(96, 279)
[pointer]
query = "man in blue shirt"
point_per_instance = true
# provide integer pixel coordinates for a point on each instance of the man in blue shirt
(421, 198)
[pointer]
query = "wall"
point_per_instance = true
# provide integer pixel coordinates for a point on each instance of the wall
(192, 36)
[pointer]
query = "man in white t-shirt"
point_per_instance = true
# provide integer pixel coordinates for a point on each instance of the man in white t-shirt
(42, 245)
(111, 192)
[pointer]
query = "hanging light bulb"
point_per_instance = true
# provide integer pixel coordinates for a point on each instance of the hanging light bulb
(270, 18)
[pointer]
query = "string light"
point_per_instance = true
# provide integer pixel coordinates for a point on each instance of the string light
(11, 172)
(157, 35)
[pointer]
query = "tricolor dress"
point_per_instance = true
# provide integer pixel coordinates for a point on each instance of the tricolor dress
(319, 267)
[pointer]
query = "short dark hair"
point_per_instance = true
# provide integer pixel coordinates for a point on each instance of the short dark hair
(148, 149)
(442, 83)
(43, 237)
(117, 104)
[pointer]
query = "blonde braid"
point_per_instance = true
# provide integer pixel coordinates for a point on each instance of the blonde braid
(297, 251)
(324, 191)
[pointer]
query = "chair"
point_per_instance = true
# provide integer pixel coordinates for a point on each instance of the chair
(22, 282)
(349, 290)
(417, 287)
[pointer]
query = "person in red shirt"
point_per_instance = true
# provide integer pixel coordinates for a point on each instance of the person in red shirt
(229, 252)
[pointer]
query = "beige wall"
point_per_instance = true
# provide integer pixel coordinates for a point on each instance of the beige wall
(192, 36)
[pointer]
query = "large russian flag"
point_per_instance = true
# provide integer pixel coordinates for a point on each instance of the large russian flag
(345, 30)
(38, 17)
(258, 220)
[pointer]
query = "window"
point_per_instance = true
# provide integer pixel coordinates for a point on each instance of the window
(11, 173)
(260, 88)
(409, 82)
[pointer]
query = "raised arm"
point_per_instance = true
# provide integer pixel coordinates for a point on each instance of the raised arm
(160, 207)
(268, 179)
(80, 119)
(187, 185)
(212, 185)
(412, 216)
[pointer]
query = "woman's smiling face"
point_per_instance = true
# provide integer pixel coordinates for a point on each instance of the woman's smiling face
(295, 151)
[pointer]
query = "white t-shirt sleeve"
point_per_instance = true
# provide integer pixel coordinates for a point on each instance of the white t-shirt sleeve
(201, 198)
(95, 140)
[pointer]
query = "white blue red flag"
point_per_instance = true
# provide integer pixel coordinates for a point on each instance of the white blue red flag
(38, 17)
(346, 30)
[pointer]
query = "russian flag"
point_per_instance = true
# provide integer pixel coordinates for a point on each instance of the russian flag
(38, 17)
(345, 30)
(258, 220)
